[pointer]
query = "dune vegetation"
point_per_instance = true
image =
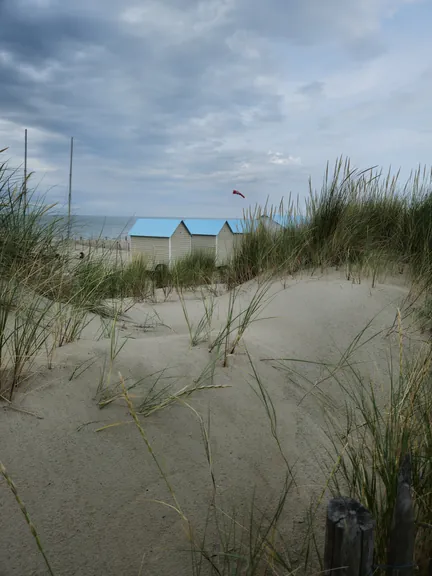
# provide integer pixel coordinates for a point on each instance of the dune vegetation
(364, 224)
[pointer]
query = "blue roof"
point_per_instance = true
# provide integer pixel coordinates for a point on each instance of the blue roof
(239, 225)
(204, 226)
(155, 227)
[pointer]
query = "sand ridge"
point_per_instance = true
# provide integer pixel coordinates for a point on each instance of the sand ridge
(89, 493)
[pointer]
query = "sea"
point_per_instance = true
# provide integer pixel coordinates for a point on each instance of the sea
(103, 227)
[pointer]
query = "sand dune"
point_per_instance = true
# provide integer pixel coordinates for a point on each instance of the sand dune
(89, 493)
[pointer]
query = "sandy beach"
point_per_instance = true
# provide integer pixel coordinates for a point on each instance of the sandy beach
(110, 250)
(92, 493)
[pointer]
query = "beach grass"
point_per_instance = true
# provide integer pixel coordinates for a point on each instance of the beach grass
(375, 425)
(363, 222)
(199, 331)
(195, 269)
(23, 508)
(238, 319)
(383, 423)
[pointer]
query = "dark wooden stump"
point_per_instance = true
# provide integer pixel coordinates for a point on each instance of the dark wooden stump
(349, 539)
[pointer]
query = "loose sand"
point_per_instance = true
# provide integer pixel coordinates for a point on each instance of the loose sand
(90, 493)
(106, 254)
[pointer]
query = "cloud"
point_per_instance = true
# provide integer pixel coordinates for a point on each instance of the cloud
(279, 158)
(172, 103)
(312, 89)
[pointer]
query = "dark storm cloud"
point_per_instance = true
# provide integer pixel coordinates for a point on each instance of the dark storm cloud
(36, 35)
(173, 79)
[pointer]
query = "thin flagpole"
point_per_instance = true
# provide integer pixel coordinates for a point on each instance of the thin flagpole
(70, 188)
(25, 170)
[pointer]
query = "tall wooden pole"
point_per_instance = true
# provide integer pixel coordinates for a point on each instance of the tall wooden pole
(70, 189)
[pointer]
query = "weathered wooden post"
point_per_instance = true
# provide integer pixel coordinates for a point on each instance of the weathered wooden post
(349, 539)
(400, 557)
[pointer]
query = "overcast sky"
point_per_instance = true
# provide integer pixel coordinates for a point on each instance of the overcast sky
(174, 103)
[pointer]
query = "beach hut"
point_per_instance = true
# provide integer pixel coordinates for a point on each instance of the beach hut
(239, 226)
(277, 221)
(212, 236)
(274, 222)
(162, 240)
